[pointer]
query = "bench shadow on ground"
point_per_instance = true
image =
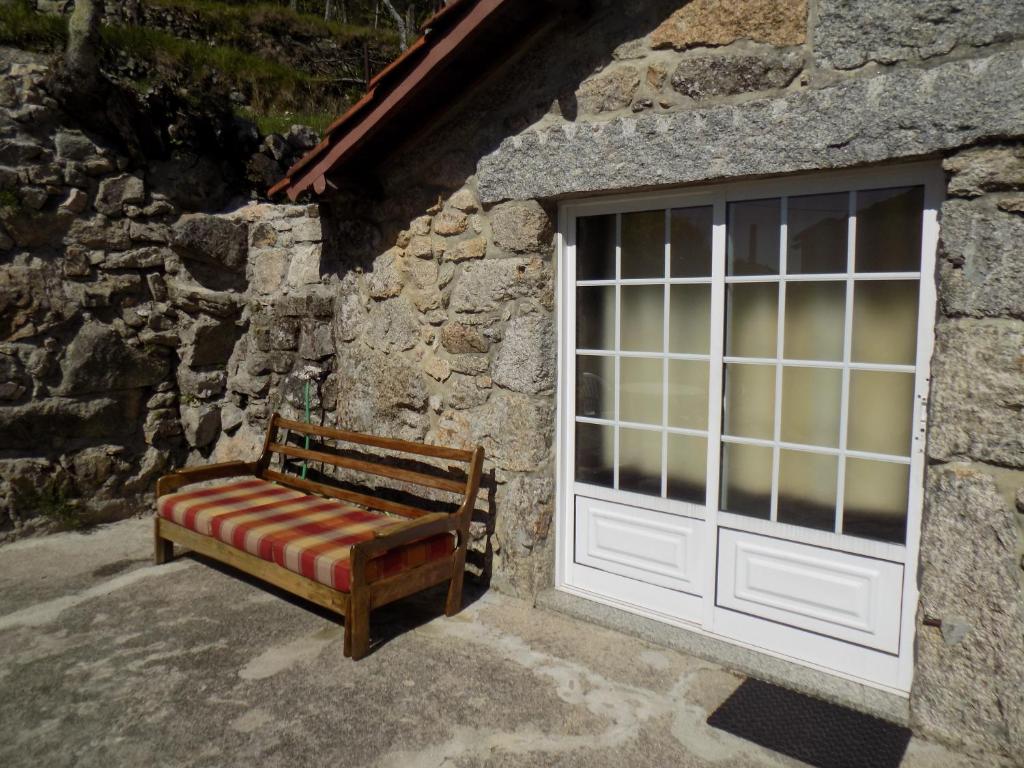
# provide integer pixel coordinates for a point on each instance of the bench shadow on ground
(387, 622)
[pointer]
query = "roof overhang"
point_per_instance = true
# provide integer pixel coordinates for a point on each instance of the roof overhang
(463, 39)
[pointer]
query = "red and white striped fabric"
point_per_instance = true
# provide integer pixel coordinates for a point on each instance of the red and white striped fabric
(309, 535)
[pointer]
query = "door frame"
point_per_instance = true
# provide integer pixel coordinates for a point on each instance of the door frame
(892, 673)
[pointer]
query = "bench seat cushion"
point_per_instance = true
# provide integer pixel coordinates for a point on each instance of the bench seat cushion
(309, 535)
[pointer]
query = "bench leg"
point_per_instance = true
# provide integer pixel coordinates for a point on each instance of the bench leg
(348, 628)
(359, 619)
(453, 603)
(163, 550)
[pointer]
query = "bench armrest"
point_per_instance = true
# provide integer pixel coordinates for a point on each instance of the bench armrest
(406, 533)
(182, 477)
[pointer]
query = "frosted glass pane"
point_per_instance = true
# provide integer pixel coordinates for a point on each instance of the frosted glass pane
(640, 461)
(746, 480)
(807, 489)
(889, 229)
(595, 386)
(595, 454)
(595, 318)
(881, 412)
(815, 318)
(753, 237)
(689, 319)
(877, 494)
(641, 385)
(885, 321)
(643, 322)
(751, 323)
(691, 241)
(749, 401)
(811, 404)
(595, 248)
(687, 468)
(688, 394)
(817, 229)
(643, 244)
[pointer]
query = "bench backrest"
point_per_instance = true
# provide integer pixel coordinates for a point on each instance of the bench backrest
(465, 488)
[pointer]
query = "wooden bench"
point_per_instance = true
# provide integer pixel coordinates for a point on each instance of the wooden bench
(327, 543)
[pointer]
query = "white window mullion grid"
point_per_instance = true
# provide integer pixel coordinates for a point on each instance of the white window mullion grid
(779, 340)
(665, 348)
(844, 397)
(618, 346)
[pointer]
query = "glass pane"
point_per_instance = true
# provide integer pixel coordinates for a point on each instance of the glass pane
(690, 319)
(752, 316)
(640, 461)
(807, 489)
(643, 244)
(881, 412)
(595, 318)
(877, 494)
(747, 480)
(691, 242)
(753, 238)
(817, 229)
(640, 391)
(595, 454)
(643, 322)
(889, 229)
(811, 404)
(885, 321)
(688, 394)
(595, 248)
(815, 316)
(749, 401)
(687, 468)
(595, 386)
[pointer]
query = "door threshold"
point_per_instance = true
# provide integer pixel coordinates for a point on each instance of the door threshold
(849, 693)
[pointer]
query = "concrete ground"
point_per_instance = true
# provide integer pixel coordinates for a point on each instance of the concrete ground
(106, 660)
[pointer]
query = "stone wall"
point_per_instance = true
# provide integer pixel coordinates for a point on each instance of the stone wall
(660, 94)
(119, 309)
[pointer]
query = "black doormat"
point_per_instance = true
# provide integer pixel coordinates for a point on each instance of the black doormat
(822, 734)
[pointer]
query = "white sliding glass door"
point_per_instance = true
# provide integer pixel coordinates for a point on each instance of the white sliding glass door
(743, 375)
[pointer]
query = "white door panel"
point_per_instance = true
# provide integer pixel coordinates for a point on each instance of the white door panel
(662, 549)
(852, 598)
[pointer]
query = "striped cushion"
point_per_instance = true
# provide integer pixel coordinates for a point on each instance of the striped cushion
(306, 534)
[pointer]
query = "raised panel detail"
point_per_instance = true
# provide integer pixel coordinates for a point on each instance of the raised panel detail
(832, 593)
(655, 547)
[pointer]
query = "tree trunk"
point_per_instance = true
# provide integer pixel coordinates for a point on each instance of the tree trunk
(327, 10)
(81, 57)
(403, 29)
(294, 5)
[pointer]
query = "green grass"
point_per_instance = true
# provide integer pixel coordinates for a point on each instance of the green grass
(9, 200)
(232, 22)
(280, 123)
(21, 27)
(50, 499)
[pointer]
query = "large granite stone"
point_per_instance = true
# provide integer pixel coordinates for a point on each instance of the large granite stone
(901, 114)
(608, 91)
(515, 430)
(969, 691)
(212, 240)
(521, 227)
(720, 22)
(485, 285)
(378, 393)
(978, 170)
(117, 192)
(392, 325)
(526, 359)
(982, 268)
(703, 76)
(99, 361)
(850, 33)
(977, 392)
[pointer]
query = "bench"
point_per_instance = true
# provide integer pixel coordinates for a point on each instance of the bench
(344, 546)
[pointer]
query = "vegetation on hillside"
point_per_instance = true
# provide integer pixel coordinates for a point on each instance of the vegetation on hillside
(272, 63)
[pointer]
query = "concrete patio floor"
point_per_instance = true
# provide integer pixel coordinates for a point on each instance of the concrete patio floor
(106, 660)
